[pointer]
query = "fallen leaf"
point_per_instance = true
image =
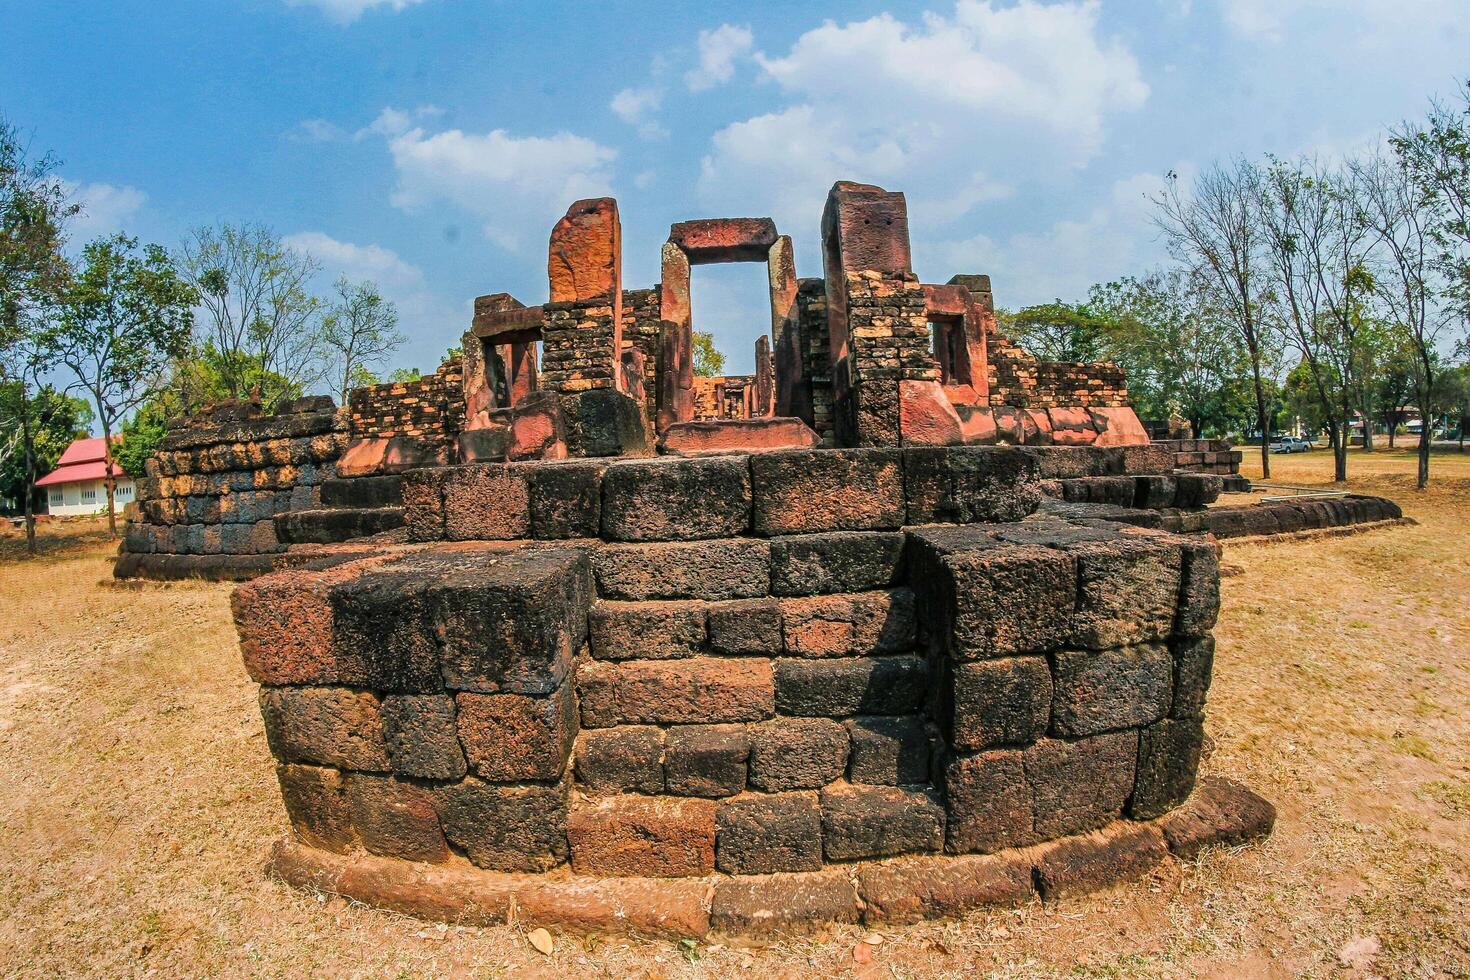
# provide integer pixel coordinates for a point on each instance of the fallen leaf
(873, 939)
(862, 953)
(541, 939)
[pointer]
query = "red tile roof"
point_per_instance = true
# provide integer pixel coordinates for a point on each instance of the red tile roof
(82, 460)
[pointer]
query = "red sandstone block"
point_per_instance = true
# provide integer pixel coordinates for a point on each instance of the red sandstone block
(773, 903)
(1072, 427)
(926, 417)
(515, 737)
(1037, 426)
(852, 624)
(695, 690)
(316, 803)
(585, 256)
(486, 502)
(285, 624)
(1118, 427)
(660, 837)
(906, 891)
(1124, 852)
(737, 435)
(724, 239)
(329, 726)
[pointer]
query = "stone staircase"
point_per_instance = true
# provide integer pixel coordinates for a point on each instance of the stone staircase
(356, 507)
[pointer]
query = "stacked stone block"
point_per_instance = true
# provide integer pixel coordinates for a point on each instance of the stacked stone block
(430, 409)
(1204, 455)
(888, 343)
(219, 479)
(811, 300)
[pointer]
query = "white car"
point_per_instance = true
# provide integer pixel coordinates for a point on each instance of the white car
(1290, 444)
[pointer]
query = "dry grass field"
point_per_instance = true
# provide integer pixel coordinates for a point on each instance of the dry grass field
(137, 800)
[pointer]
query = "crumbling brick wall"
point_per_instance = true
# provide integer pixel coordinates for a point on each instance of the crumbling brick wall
(431, 409)
(811, 300)
(219, 478)
(767, 663)
(1204, 455)
(641, 331)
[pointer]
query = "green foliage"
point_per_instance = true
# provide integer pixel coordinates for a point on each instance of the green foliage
(56, 419)
(359, 331)
(33, 214)
(140, 436)
(1057, 331)
(708, 361)
(404, 374)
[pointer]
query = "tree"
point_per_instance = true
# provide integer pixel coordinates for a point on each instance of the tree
(1057, 331)
(55, 420)
(1179, 349)
(33, 273)
(1401, 212)
(1316, 242)
(359, 330)
(1435, 154)
(1217, 228)
(260, 322)
(708, 361)
(404, 374)
(126, 315)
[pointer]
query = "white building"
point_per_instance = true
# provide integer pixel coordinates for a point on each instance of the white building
(77, 487)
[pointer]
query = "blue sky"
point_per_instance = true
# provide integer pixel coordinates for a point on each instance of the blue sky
(431, 144)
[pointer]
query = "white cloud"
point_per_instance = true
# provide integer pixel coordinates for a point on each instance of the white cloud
(347, 11)
(1269, 21)
(1115, 238)
(316, 131)
(106, 208)
(718, 51)
(511, 182)
(935, 107)
(382, 265)
(636, 106)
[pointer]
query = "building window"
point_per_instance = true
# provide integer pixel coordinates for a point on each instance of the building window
(55, 498)
(124, 491)
(89, 495)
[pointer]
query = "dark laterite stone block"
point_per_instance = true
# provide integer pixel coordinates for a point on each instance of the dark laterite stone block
(737, 568)
(422, 739)
(745, 626)
(1199, 595)
(706, 760)
(674, 499)
(1080, 785)
(1127, 591)
(646, 630)
(1111, 689)
(1168, 760)
(843, 686)
(566, 499)
(365, 491)
(796, 753)
(988, 598)
(316, 803)
(507, 828)
(1218, 812)
(1006, 701)
(879, 821)
(969, 484)
(329, 726)
(888, 751)
(396, 819)
(839, 561)
(628, 758)
(761, 833)
(1087, 864)
(1194, 661)
(827, 490)
(779, 902)
(988, 802)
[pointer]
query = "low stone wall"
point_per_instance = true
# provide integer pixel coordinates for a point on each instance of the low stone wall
(1204, 455)
(217, 482)
(430, 410)
(738, 670)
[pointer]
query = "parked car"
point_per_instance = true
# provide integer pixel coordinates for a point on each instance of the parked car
(1290, 444)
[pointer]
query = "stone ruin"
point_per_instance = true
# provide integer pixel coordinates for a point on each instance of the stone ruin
(870, 636)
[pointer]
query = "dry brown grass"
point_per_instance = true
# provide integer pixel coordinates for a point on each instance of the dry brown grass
(137, 800)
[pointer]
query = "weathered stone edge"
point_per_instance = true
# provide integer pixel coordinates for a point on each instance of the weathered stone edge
(1313, 533)
(894, 891)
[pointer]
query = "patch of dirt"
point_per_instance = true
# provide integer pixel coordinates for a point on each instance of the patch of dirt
(137, 798)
